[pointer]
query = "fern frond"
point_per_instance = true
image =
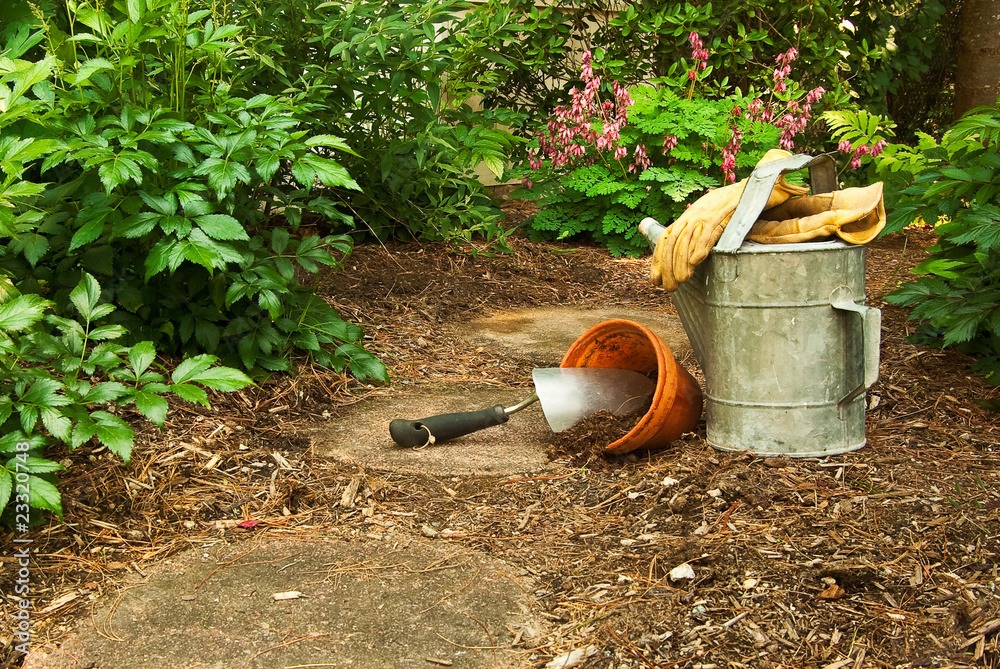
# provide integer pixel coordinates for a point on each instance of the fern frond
(584, 178)
(630, 198)
(858, 127)
(606, 188)
(981, 124)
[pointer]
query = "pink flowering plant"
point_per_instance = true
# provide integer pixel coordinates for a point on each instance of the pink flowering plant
(860, 135)
(612, 156)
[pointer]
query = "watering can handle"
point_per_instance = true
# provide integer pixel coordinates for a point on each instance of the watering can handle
(871, 336)
(822, 175)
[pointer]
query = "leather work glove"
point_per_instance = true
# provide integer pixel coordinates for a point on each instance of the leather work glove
(856, 215)
(689, 240)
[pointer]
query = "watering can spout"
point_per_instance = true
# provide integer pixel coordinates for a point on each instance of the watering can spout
(651, 230)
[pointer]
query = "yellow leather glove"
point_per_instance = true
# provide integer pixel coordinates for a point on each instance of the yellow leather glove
(689, 240)
(856, 215)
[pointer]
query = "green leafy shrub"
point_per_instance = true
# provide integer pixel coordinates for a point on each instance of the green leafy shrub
(605, 161)
(64, 378)
(954, 185)
(128, 152)
(385, 75)
(865, 53)
(182, 191)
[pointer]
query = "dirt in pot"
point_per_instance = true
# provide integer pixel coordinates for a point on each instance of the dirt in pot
(585, 443)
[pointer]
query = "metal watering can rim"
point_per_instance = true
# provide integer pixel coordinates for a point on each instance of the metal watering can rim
(796, 247)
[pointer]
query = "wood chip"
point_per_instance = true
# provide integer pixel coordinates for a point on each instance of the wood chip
(290, 594)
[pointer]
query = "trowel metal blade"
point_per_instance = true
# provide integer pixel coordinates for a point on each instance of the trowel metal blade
(570, 394)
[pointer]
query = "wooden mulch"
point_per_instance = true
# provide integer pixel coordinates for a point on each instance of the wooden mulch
(886, 557)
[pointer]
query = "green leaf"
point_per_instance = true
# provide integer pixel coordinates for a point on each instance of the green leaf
(104, 356)
(332, 142)
(630, 198)
(44, 392)
(6, 409)
(136, 9)
(225, 379)
(44, 495)
(190, 393)
(363, 364)
(84, 430)
(223, 175)
(114, 433)
(161, 255)
(87, 233)
(583, 179)
(9, 443)
(58, 425)
(119, 170)
(108, 331)
(939, 267)
(104, 392)
(33, 73)
(137, 225)
(606, 188)
(198, 369)
(34, 247)
(22, 312)
(202, 254)
(267, 166)
(279, 240)
(37, 465)
(141, 356)
(89, 68)
(192, 367)
(28, 417)
(961, 327)
(221, 226)
(200, 249)
(20, 190)
(495, 164)
(165, 205)
(330, 173)
(152, 406)
(6, 487)
(86, 296)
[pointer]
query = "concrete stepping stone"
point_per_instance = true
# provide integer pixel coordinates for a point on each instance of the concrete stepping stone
(285, 602)
(361, 435)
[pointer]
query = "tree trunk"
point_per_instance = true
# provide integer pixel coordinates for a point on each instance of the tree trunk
(977, 79)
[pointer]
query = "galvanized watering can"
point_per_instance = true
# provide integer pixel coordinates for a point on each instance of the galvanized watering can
(787, 346)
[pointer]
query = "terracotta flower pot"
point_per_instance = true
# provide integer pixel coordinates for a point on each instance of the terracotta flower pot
(677, 400)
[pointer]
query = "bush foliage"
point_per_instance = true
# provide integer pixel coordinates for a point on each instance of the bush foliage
(177, 188)
(147, 196)
(955, 186)
(64, 377)
(863, 52)
(605, 161)
(952, 184)
(385, 75)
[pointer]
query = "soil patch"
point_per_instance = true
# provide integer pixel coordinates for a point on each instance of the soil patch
(584, 444)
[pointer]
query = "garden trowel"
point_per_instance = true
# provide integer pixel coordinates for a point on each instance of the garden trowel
(567, 395)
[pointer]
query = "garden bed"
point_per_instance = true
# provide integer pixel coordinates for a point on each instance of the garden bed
(886, 557)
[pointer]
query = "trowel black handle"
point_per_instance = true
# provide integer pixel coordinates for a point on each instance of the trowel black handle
(444, 426)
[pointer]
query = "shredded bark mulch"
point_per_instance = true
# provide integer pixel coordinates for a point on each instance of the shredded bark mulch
(687, 557)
